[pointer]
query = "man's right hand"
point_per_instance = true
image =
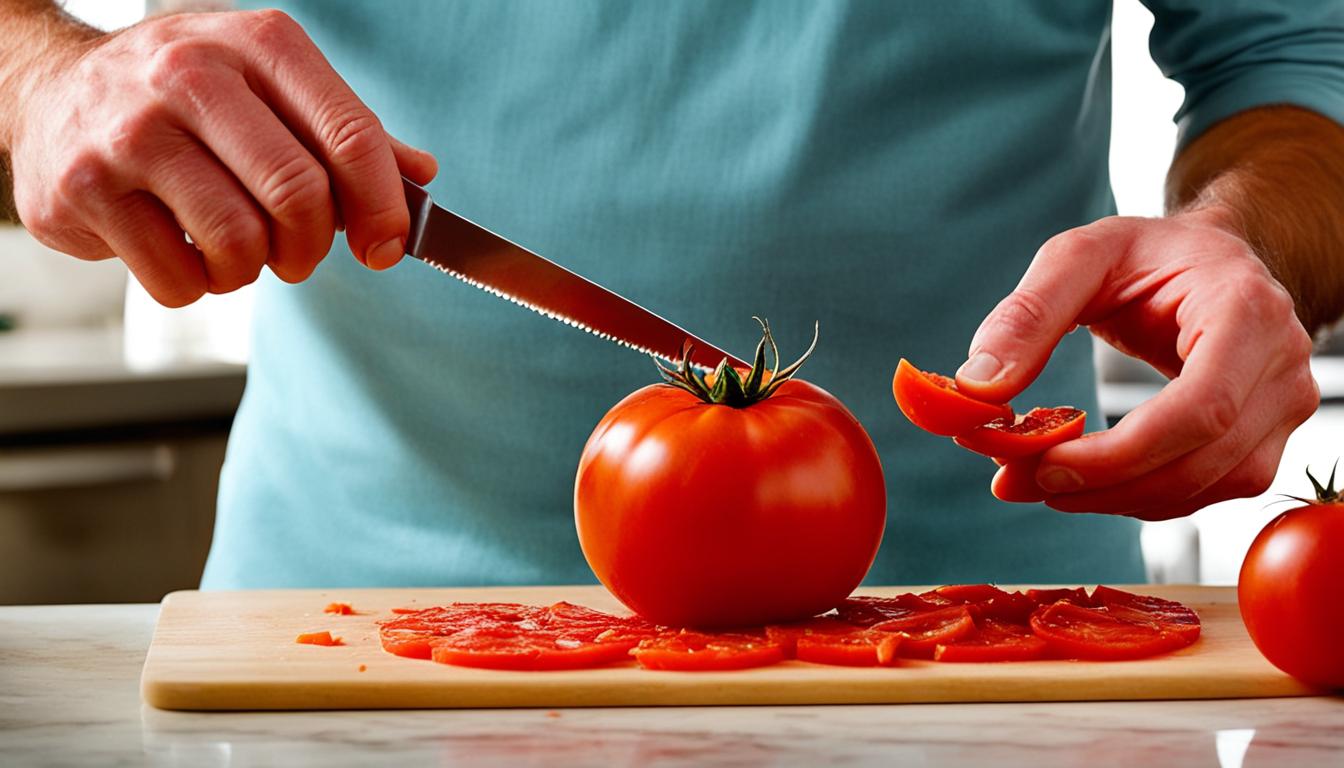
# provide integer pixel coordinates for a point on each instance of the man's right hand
(230, 127)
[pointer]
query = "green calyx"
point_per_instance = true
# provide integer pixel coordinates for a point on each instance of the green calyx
(728, 386)
(1326, 494)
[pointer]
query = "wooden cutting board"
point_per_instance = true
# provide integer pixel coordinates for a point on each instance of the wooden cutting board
(236, 651)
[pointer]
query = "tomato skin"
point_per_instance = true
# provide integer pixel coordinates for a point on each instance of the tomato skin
(695, 651)
(1073, 631)
(1289, 593)
(933, 403)
(709, 516)
(991, 641)
(1027, 435)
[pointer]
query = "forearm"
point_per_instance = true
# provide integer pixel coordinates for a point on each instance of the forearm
(30, 30)
(1278, 172)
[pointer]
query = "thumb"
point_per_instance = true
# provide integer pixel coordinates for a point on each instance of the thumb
(1016, 339)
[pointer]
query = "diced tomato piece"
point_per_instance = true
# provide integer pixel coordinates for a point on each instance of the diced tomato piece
(1167, 614)
(993, 640)
(922, 632)
(1075, 595)
(828, 640)
(1027, 434)
(866, 611)
(318, 638)
(340, 609)
(933, 403)
(502, 647)
(1074, 631)
(697, 651)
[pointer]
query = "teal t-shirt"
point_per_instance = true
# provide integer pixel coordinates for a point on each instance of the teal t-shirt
(885, 168)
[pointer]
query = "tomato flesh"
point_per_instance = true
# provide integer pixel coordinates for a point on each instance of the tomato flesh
(993, 640)
(697, 651)
(828, 640)
(1074, 631)
(318, 638)
(933, 403)
(1075, 595)
(1165, 614)
(340, 609)
(923, 632)
(505, 647)
(1026, 434)
(867, 611)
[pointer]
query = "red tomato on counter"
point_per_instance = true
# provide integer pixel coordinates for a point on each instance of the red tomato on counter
(1291, 589)
(738, 498)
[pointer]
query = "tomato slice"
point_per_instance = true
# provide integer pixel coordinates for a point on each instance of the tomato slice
(318, 638)
(1027, 434)
(965, 593)
(1016, 481)
(1075, 595)
(697, 651)
(923, 632)
(828, 640)
(993, 640)
(933, 403)
(506, 647)
(1093, 633)
(415, 634)
(867, 611)
(1166, 614)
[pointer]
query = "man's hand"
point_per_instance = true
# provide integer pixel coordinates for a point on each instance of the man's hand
(1219, 296)
(1187, 295)
(231, 128)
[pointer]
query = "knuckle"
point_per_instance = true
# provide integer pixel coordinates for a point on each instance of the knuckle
(1069, 244)
(352, 135)
(179, 67)
(1217, 414)
(273, 28)
(237, 234)
(1023, 313)
(1308, 395)
(85, 176)
(295, 189)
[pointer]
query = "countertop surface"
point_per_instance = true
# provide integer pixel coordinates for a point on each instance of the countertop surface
(69, 695)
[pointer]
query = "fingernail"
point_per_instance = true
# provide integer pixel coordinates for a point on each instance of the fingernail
(1059, 480)
(386, 254)
(981, 368)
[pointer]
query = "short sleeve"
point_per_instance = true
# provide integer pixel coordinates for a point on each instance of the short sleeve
(1232, 55)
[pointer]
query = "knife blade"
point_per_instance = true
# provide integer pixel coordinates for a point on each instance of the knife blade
(461, 248)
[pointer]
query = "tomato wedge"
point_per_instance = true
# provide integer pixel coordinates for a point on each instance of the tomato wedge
(1093, 633)
(1166, 614)
(1027, 434)
(923, 632)
(696, 651)
(933, 403)
(828, 640)
(867, 611)
(993, 640)
(505, 647)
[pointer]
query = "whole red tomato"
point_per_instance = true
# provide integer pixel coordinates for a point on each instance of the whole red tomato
(1290, 588)
(732, 499)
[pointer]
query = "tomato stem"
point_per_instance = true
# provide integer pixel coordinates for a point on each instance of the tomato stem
(728, 386)
(1326, 494)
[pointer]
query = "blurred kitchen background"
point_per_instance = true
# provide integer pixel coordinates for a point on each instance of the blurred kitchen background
(114, 411)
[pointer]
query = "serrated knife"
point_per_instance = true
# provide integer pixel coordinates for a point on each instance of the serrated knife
(475, 255)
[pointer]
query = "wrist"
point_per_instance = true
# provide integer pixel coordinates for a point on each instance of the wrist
(39, 41)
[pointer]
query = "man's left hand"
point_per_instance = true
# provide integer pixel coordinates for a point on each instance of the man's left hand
(1188, 295)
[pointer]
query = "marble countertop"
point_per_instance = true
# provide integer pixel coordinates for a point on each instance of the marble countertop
(69, 695)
